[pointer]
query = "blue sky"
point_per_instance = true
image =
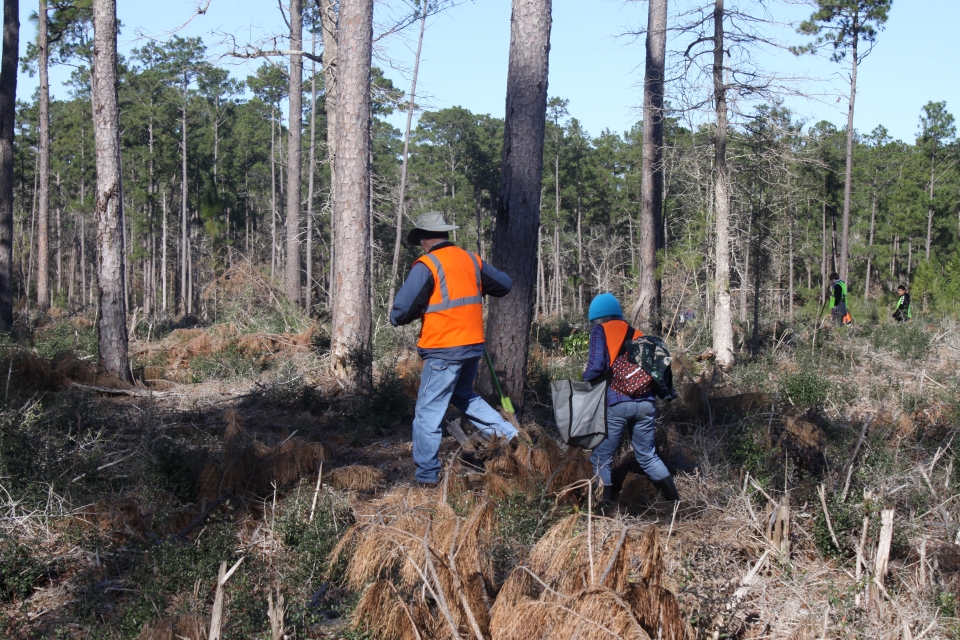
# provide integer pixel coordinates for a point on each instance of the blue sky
(465, 57)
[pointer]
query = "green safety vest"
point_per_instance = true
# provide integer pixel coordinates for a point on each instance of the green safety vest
(843, 293)
(909, 307)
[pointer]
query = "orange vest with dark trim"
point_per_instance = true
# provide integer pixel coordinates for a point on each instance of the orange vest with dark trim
(615, 331)
(454, 315)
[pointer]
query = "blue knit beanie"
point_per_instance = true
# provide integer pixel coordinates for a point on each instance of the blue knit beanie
(604, 305)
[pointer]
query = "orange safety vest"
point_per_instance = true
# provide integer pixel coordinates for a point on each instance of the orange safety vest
(615, 331)
(454, 315)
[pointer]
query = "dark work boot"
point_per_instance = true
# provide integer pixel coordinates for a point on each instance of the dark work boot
(607, 504)
(607, 496)
(668, 489)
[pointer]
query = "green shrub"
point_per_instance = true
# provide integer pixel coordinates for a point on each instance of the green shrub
(910, 341)
(388, 408)
(806, 388)
(310, 542)
(177, 468)
(63, 336)
(19, 571)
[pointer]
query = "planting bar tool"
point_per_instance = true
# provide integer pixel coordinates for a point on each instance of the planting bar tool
(504, 400)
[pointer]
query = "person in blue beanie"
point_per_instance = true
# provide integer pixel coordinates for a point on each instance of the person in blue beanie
(624, 412)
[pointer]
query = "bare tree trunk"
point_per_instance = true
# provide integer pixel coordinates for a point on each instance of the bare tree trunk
(823, 255)
(294, 148)
(873, 218)
(84, 298)
(33, 223)
(308, 301)
(722, 324)
(395, 267)
(848, 172)
(185, 300)
(647, 309)
(579, 253)
(329, 24)
(351, 334)
(163, 252)
(43, 205)
(112, 321)
(518, 206)
(8, 112)
(59, 249)
(745, 275)
(538, 305)
(791, 274)
(909, 257)
(273, 194)
(930, 207)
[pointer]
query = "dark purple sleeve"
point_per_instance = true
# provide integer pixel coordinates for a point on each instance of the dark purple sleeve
(598, 359)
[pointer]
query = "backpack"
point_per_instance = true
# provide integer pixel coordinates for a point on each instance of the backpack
(642, 367)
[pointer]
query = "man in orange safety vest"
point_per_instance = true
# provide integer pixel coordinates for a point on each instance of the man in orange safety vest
(445, 290)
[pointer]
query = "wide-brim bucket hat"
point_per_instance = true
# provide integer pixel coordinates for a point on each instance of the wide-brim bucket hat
(430, 221)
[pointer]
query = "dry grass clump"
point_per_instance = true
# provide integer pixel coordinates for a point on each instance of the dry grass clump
(178, 627)
(356, 477)
(593, 579)
(427, 572)
(27, 370)
(413, 540)
(534, 460)
(254, 469)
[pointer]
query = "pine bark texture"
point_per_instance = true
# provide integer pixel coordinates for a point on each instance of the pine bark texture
(43, 195)
(112, 320)
(647, 310)
(722, 321)
(8, 112)
(294, 146)
(518, 205)
(351, 336)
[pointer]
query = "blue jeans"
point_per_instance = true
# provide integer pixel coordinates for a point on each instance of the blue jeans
(641, 415)
(444, 382)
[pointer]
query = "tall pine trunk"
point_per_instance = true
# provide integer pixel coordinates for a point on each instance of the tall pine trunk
(647, 309)
(311, 176)
(351, 334)
(722, 321)
(873, 219)
(8, 112)
(329, 26)
(43, 195)
(294, 149)
(186, 300)
(933, 166)
(518, 205)
(112, 321)
(395, 267)
(848, 171)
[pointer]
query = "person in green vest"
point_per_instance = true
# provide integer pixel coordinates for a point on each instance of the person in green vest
(903, 311)
(838, 299)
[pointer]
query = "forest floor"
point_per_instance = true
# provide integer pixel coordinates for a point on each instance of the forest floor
(236, 481)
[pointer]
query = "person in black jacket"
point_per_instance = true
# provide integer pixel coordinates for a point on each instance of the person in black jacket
(903, 311)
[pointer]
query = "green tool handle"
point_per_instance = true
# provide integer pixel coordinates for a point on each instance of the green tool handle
(504, 400)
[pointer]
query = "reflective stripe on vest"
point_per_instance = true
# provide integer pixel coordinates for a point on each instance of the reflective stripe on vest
(446, 302)
(454, 313)
(614, 331)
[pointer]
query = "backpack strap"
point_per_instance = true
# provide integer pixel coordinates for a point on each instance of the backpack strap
(627, 337)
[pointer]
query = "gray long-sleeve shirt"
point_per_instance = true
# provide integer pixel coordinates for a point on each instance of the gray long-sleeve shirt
(413, 297)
